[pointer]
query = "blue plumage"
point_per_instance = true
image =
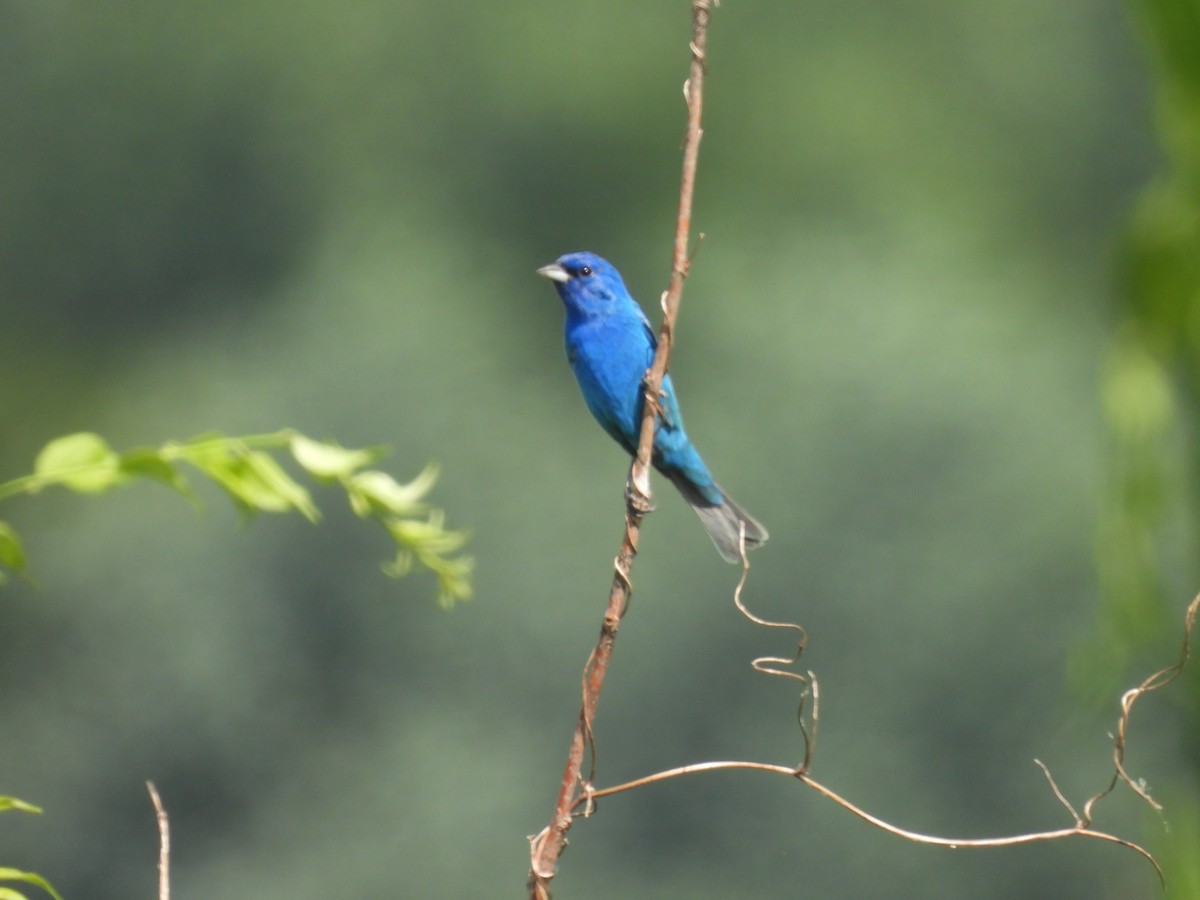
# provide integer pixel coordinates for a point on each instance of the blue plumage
(610, 346)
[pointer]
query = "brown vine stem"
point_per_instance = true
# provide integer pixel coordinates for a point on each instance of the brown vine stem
(547, 846)
(1083, 823)
(1157, 681)
(1078, 830)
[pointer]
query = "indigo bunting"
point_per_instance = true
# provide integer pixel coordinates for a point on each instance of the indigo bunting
(610, 346)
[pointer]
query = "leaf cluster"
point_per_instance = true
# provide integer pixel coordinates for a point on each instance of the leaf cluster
(249, 471)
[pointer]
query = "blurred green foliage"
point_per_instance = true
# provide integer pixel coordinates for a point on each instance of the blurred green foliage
(890, 348)
(1147, 546)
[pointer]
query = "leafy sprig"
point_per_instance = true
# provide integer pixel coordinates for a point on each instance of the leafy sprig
(249, 472)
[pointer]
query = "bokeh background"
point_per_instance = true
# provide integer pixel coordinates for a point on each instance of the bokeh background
(893, 350)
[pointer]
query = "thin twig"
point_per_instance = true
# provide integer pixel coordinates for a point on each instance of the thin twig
(164, 844)
(547, 846)
(1079, 822)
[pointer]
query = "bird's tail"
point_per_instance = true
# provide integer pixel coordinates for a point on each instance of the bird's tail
(723, 521)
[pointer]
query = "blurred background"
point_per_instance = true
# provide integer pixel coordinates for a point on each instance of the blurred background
(916, 344)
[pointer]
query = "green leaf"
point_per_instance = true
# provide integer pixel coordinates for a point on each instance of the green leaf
(28, 878)
(280, 484)
(323, 460)
(253, 478)
(148, 462)
(7, 803)
(429, 536)
(12, 556)
(10, 894)
(82, 462)
(378, 492)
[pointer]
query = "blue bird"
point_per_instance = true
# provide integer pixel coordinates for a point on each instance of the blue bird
(610, 346)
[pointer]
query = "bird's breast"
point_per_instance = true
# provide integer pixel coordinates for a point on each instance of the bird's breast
(610, 361)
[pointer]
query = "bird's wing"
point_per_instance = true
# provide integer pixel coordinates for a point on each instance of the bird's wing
(668, 405)
(650, 335)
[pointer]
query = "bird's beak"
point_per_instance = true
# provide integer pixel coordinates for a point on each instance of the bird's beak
(555, 272)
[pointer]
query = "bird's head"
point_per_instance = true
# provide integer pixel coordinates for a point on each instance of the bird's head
(587, 284)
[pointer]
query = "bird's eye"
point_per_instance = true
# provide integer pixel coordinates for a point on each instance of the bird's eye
(585, 271)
